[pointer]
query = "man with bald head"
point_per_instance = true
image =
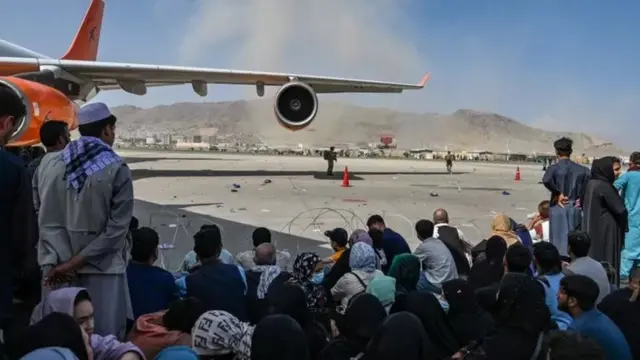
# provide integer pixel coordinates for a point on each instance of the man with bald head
(264, 275)
(265, 255)
(454, 239)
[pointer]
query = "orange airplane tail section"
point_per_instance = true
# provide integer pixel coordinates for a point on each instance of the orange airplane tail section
(85, 44)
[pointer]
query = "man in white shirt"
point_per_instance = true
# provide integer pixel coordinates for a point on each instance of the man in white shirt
(440, 219)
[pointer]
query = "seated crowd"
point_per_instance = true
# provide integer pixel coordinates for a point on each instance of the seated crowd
(79, 282)
(444, 300)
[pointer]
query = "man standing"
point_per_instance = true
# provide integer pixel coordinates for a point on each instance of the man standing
(54, 135)
(330, 156)
(566, 181)
(629, 185)
(15, 207)
(449, 160)
(84, 201)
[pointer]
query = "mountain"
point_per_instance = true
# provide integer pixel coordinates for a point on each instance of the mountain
(340, 124)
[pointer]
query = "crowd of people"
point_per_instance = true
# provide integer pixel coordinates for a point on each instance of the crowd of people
(79, 282)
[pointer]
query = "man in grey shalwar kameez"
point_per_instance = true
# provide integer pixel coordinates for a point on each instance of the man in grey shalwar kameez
(84, 199)
(566, 181)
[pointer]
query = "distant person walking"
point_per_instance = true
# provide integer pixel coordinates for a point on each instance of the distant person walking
(330, 156)
(449, 160)
(566, 181)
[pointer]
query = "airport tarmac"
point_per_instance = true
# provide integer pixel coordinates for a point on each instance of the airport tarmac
(178, 192)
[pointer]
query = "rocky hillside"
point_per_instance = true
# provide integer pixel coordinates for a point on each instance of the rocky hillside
(340, 123)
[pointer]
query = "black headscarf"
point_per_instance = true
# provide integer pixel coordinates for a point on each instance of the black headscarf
(490, 269)
(290, 299)
(362, 318)
(401, 336)
(522, 317)
(434, 320)
(602, 169)
(279, 337)
(54, 330)
(467, 319)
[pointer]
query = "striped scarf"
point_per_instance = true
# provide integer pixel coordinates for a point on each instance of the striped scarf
(84, 157)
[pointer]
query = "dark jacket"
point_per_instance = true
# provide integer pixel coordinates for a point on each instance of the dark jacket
(16, 222)
(220, 287)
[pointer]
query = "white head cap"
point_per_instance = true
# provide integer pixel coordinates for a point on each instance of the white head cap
(93, 112)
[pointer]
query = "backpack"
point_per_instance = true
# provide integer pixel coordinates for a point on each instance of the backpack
(381, 286)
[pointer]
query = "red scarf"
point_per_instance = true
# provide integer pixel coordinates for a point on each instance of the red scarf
(634, 168)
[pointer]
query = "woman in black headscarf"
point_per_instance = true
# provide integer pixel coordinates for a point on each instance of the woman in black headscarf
(54, 330)
(490, 268)
(604, 216)
(400, 337)
(434, 321)
(290, 299)
(522, 321)
(467, 319)
(279, 337)
(362, 318)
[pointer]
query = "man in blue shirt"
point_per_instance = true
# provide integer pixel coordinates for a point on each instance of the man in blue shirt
(549, 267)
(218, 285)
(577, 296)
(393, 243)
(151, 288)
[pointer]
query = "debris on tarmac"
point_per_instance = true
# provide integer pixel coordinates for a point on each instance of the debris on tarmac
(433, 194)
(506, 193)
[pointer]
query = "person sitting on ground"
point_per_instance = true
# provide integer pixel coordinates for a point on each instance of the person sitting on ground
(151, 288)
(377, 237)
(264, 275)
(568, 345)
(338, 238)
(76, 302)
(577, 296)
(54, 331)
(218, 285)
(278, 337)
(517, 260)
(453, 238)
(468, 320)
(489, 268)
(220, 335)
(152, 333)
(406, 269)
(539, 225)
(549, 266)
(262, 235)
(501, 226)
(191, 263)
(341, 267)
(582, 264)
(393, 243)
(290, 300)
(522, 321)
(623, 308)
(304, 267)
(438, 264)
(362, 261)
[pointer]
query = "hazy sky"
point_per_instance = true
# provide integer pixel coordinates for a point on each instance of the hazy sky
(558, 64)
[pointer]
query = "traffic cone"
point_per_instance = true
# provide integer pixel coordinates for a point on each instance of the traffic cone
(517, 178)
(345, 178)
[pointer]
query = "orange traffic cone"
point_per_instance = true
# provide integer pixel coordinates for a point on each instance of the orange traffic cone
(517, 178)
(345, 178)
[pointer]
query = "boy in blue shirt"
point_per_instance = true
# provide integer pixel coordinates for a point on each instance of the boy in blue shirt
(549, 267)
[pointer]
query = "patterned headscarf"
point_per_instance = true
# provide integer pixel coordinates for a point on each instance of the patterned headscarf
(304, 266)
(268, 274)
(220, 333)
(363, 258)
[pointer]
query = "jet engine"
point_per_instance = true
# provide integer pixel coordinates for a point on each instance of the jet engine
(43, 103)
(296, 105)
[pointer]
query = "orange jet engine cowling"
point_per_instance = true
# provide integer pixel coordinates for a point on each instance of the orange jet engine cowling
(43, 103)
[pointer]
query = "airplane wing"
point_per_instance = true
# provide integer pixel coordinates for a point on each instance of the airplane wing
(108, 75)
